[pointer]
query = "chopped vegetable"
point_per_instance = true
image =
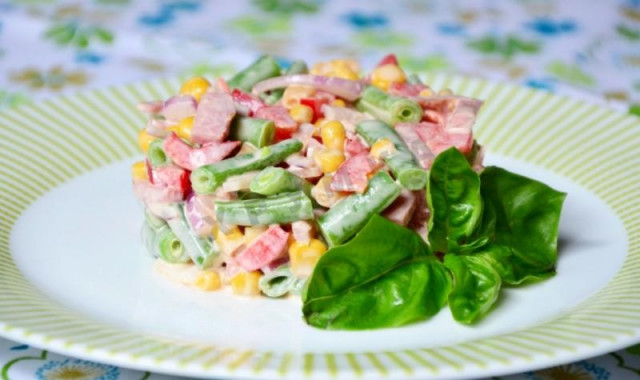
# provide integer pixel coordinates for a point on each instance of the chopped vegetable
(402, 163)
(389, 108)
(348, 216)
(258, 132)
(263, 68)
(206, 179)
(277, 209)
(272, 181)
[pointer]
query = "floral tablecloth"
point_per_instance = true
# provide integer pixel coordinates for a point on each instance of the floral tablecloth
(587, 49)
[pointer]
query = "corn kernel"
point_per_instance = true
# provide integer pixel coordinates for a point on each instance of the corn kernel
(231, 241)
(304, 257)
(426, 92)
(301, 113)
(208, 281)
(333, 135)
(246, 283)
(144, 139)
(139, 171)
(195, 87)
(323, 194)
(382, 148)
(338, 103)
(342, 70)
(383, 76)
(321, 68)
(184, 128)
(293, 93)
(445, 92)
(329, 160)
(252, 232)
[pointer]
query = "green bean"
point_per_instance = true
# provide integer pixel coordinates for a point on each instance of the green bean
(277, 209)
(402, 163)
(278, 282)
(168, 247)
(273, 180)
(206, 179)
(263, 68)
(348, 216)
(389, 108)
(156, 154)
(202, 251)
(259, 132)
(297, 67)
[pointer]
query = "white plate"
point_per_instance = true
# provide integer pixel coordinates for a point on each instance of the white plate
(76, 280)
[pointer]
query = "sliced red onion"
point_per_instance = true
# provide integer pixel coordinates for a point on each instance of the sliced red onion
(179, 107)
(158, 127)
(150, 107)
(347, 116)
(344, 88)
(201, 223)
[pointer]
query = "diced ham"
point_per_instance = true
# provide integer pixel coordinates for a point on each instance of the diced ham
(302, 231)
(150, 193)
(449, 121)
(246, 104)
(406, 89)
(201, 223)
(285, 125)
(420, 217)
(213, 117)
(179, 107)
(388, 59)
(439, 139)
(174, 177)
(401, 210)
(352, 175)
(409, 134)
(150, 107)
(347, 116)
(221, 85)
(267, 247)
(354, 146)
(192, 158)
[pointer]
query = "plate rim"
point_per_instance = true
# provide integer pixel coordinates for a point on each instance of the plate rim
(161, 84)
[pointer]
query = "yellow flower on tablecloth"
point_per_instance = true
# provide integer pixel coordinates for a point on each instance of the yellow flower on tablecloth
(564, 372)
(55, 78)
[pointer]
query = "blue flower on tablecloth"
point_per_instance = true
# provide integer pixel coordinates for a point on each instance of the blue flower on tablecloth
(451, 28)
(550, 27)
(166, 13)
(582, 370)
(89, 57)
(77, 370)
(545, 84)
(21, 347)
(360, 20)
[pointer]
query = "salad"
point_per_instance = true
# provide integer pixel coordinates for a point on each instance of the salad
(365, 195)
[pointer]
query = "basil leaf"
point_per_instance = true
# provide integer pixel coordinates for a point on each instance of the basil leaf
(521, 219)
(385, 276)
(453, 196)
(476, 286)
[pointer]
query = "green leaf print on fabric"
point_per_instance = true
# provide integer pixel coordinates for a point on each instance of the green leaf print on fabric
(261, 25)
(209, 70)
(628, 33)
(571, 74)
(505, 46)
(383, 39)
(73, 34)
(425, 63)
(12, 99)
(287, 6)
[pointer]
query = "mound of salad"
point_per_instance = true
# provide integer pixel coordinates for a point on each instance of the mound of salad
(364, 194)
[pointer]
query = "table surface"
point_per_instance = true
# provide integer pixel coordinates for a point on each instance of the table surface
(584, 49)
